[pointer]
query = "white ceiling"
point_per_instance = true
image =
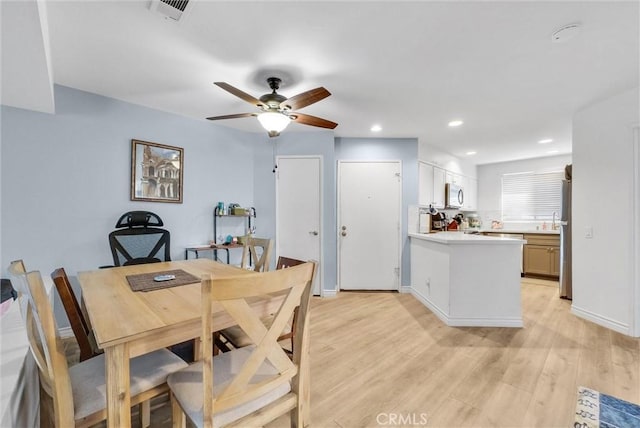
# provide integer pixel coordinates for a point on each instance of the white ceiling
(409, 66)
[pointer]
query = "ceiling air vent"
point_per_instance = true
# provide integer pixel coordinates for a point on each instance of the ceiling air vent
(170, 9)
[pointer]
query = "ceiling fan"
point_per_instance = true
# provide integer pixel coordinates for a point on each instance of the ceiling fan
(277, 109)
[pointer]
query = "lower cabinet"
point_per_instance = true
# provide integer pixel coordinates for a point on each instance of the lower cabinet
(541, 255)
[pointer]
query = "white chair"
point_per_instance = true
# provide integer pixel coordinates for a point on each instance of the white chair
(78, 392)
(253, 385)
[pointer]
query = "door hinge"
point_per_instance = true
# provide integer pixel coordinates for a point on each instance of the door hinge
(396, 271)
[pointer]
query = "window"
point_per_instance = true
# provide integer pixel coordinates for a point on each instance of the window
(529, 196)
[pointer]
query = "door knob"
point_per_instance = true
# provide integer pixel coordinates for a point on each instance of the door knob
(314, 233)
(343, 233)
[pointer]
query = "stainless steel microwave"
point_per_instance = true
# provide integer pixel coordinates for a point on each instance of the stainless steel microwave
(454, 195)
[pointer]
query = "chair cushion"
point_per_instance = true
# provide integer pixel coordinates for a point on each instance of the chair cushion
(186, 386)
(147, 371)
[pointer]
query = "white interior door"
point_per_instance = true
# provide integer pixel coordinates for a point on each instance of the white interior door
(298, 211)
(369, 206)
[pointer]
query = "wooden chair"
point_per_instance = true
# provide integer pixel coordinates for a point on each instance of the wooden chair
(250, 253)
(79, 325)
(253, 385)
(235, 335)
(77, 392)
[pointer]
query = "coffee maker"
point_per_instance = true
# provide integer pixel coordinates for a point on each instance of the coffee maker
(439, 221)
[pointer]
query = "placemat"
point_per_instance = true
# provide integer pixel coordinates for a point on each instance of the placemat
(145, 282)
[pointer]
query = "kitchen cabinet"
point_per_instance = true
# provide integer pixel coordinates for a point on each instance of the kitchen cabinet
(541, 255)
(453, 178)
(469, 186)
(431, 184)
(425, 183)
(431, 181)
(485, 293)
(470, 194)
(438, 187)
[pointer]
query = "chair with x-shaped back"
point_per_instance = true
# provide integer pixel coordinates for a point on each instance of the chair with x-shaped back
(253, 385)
(257, 251)
(235, 335)
(78, 392)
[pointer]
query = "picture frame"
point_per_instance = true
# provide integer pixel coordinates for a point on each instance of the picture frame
(157, 172)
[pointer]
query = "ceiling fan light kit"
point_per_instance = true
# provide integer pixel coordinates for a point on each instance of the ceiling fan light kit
(277, 109)
(274, 123)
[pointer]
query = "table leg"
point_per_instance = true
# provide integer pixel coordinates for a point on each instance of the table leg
(118, 394)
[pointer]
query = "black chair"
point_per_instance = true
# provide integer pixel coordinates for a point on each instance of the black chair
(139, 239)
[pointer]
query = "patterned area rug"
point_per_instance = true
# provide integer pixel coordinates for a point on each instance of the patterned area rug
(595, 410)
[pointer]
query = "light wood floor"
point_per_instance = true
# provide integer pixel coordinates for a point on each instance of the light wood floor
(376, 355)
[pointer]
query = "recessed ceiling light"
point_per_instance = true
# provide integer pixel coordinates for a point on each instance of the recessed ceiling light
(455, 123)
(376, 128)
(471, 153)
(553, 152)
(545, 141)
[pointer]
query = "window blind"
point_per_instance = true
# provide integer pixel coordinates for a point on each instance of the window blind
(531, 196)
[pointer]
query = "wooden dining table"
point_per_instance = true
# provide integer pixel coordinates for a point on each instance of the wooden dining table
(127, 323)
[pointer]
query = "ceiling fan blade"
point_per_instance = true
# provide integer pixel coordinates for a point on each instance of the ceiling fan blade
(240, 94)
(307, 119)
(306, 98)
(232, 116)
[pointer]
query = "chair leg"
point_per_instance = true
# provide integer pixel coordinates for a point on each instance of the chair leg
(296, 417)
(46, 409)
(177, 415)
(145, 413)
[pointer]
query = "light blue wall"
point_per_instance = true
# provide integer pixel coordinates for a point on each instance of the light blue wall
(323, 143)
(299, 143)
(66, 178)
(403, 149)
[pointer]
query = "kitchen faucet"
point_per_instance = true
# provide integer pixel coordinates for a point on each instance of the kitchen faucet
(554, 226)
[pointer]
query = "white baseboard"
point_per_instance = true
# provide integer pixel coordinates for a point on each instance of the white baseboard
(465, 322)
(600, 320)
(432, 307)
(65, 332)
(329, 293)
(405, 289)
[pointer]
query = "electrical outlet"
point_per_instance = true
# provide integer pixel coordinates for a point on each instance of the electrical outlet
(588, 232)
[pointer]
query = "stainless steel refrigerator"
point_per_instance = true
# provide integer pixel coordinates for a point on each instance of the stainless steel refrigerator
(565, 237)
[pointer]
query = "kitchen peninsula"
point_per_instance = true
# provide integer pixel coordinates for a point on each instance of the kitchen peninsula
(468, 280)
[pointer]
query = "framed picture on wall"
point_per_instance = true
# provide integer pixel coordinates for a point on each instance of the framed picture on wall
(156, 172)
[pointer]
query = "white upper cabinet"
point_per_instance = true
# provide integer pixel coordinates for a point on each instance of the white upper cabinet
(471, 194)
(431, 184)
(438, 187)
(425, 183)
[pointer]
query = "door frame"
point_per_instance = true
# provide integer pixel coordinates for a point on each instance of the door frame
(320, 271)
(338, 216)
(634, 289)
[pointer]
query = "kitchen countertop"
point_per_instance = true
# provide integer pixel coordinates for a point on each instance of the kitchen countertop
(458, 238)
